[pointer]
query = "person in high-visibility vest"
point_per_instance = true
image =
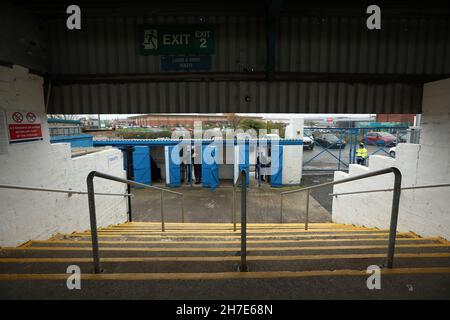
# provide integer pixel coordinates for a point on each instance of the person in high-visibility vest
(361, 154)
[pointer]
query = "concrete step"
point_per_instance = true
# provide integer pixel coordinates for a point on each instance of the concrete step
(38, 250)
(421, 283)
(75, 242)
(168, 265)
(348, 284)
(229, 226)
(222, 225)
(230, 233)
(183, 237)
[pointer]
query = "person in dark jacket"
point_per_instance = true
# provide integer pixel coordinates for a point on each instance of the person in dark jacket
(196, 160)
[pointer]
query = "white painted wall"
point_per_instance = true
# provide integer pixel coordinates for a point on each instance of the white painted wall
(294, 130)
(425, 212)
(293, 155)
(292, 165)
(26, 215)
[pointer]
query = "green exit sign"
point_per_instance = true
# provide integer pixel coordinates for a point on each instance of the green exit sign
(162, 40)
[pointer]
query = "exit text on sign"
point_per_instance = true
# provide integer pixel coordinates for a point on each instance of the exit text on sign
(160, 40)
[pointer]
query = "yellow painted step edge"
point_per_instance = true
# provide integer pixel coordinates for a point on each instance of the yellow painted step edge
(362, 231)
(168, 236)
(227, 258)
(221, 275)
(162, 242)
(228, 223)
(230, 249)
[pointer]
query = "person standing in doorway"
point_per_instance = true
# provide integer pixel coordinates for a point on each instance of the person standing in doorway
(197, 161)
(361, 154)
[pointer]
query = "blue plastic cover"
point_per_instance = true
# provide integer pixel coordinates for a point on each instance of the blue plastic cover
(210, 169)
(141, 165)
(174, 166)
(276, 166)
(244, 160)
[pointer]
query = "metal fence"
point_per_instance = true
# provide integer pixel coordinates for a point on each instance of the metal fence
(334, 149)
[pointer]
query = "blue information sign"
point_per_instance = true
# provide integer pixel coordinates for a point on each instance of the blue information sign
(186, 63)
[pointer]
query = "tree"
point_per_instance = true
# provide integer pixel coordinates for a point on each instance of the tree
(280, 126)
(247, 124)
(233, 120)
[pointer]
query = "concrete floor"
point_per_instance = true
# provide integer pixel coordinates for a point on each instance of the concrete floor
(204, 205)
(349, 287)
(322, 195)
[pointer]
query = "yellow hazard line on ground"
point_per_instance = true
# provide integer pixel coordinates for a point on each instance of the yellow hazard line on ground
(230, 249)
(165, 242)
(214, 224)
(169, 228)
(168, 236)
(228, 258)
(230, 228)
(221, 275)
(121, 231)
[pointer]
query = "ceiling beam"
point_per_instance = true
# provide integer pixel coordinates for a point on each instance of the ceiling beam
(65, 79)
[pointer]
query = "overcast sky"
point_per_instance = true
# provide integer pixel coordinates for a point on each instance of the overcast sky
(274, 116)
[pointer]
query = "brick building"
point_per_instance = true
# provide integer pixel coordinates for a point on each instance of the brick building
(180, 120)
(403, 118)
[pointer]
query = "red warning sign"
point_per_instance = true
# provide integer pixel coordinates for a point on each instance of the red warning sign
(24, 126)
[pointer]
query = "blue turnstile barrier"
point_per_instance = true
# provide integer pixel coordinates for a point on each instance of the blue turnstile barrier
(210, 167)
(244, 159)
(173, 162)
(276, 165)
(141, 165)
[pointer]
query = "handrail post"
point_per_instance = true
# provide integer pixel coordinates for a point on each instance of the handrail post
(394, 216)
(281, 208)
(307, 210)
(93, 221)
(162, 212)
(234, 209)
(243, 266)
(130, 176)
(182, 208)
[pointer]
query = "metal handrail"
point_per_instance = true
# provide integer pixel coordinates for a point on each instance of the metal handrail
(429, 186)
(234, 207)
(68, 191)
(93, 216)
(394, 208)
(243, 178)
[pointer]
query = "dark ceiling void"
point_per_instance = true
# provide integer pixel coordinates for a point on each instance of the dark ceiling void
(56, 8)
(270, 56)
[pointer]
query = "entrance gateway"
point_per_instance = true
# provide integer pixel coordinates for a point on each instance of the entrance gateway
(221, 160)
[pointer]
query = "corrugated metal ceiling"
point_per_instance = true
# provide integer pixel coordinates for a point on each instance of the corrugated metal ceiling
(284, 97)
(325, 61)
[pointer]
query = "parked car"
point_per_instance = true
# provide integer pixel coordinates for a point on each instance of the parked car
(380, 139)
(308, 143)
(392, 152)
(330, 141)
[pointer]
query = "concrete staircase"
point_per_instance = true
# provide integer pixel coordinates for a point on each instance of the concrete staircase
(200, 260)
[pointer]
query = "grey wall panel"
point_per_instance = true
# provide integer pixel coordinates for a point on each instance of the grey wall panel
(283, 97)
